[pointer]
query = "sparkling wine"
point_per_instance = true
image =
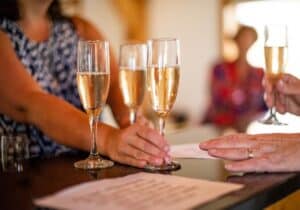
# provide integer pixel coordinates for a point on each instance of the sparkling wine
(93, 90)
(132, 83)
(275, 58)
(163, 86)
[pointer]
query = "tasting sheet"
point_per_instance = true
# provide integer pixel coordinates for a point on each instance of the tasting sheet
(138, 191)
(189, 151)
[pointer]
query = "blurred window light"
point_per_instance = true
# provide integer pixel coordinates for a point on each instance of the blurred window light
(259, 13)
(268, 11)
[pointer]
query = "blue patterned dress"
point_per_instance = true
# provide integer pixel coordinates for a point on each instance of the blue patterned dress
(52, 64)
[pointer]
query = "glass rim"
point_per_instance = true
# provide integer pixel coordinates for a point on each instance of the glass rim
(166, 39)
(271, 26)
(275, 25)
(167, 65)
(135, 43)
(138, 68)
(105, 42)
(270, 29)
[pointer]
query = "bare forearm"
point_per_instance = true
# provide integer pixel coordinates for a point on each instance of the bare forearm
(63, 122)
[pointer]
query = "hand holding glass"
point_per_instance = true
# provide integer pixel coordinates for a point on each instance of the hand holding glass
(93, 78)
(275, 62)
(162, 81)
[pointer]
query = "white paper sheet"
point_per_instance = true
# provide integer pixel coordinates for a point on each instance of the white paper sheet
(138, 191)
(189, 151)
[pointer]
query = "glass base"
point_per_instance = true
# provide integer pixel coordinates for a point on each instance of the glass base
(172, 166)
(93, 162)
(271, 121)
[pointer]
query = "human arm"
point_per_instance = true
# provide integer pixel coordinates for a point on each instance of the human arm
(23, 100)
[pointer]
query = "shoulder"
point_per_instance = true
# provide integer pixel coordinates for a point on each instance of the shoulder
(7, 50)
(10, 28)
(4, 24)
(85, 29)
(4, 40)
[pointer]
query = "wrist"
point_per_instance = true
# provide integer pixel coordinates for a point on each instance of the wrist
(105, 139)
(123, 120)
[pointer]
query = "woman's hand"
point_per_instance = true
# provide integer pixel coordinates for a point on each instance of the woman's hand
(257, 153)
(287, 94)
(138, 145)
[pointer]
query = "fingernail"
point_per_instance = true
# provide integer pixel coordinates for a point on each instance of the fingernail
(168, 159)
(203, 145)
(280, 85)
(143, 164)
(166, 148)
(212, 150)
(158, 161)
(229, 166)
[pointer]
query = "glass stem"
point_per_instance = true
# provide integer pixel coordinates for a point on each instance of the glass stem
(273, 109)
(93, 121)
(273, 112)
(161, 124)
(132, 116)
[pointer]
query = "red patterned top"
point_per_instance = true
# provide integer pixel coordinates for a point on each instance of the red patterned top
(233, 101)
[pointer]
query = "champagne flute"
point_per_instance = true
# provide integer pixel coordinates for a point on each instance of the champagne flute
(162, 81)
(132, 76)
(93, 78)
(275, 62)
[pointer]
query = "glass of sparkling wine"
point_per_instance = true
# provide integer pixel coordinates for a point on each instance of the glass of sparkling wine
(162, 83)
(276, 47)
(132, 75)
(93, 78)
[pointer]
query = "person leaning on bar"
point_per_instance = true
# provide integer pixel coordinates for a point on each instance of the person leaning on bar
(38, 93)
(274, 152)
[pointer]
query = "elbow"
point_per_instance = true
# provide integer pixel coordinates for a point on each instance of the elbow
(21, 114)
(15, 112)
(21, 110)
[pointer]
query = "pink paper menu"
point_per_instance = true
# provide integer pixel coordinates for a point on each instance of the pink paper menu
(138, 191)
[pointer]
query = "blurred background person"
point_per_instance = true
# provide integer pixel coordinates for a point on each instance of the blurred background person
(236, 88)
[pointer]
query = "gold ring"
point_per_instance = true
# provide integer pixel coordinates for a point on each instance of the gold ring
(250, 153)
